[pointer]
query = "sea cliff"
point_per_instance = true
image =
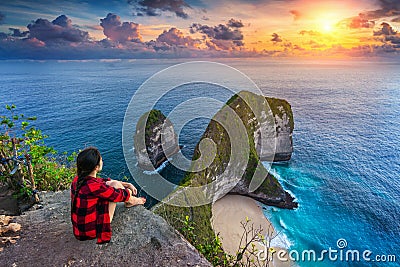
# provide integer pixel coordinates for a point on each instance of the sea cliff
(284, 123)
(266, 134)
(160, 140)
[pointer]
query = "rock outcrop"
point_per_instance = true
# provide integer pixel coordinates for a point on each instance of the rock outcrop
(160, 140)
(227, 160)
(249, 174)
(284, 123)
(140, 238)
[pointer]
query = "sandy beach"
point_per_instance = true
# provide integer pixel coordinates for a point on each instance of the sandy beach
(228, 213)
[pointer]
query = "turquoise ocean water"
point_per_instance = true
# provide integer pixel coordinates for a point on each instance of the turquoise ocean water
(345, 167)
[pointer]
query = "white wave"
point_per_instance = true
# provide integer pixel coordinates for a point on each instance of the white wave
(282, 223)
(267, 165)
(280, 179)
(162, 166)
(281, 241)
(275, 173)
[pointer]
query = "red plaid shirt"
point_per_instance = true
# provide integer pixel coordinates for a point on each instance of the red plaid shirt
(89, 214)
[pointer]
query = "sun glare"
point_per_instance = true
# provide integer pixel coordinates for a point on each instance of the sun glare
(327, 27)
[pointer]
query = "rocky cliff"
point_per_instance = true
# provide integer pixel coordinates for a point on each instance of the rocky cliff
(227, 159)
(140, 238)
(160, 140)
(282, 138)
(267, 136)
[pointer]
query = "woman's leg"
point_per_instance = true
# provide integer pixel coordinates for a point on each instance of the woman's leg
(112, 205)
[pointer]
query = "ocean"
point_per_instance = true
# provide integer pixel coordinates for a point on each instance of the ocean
(345, 167)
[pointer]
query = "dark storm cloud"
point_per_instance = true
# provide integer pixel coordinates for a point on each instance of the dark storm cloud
(222, 36)
(394, 39)
(387, 8)
(390, 5)
(389, 37)
(155, 8)
(18, 32)
(63, 21)
(235, 23)
(276, 38)
(385, 30)
(219, 32)
(118, 31)
(59, 29)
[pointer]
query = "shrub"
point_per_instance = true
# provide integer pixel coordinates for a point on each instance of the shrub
(19, 139)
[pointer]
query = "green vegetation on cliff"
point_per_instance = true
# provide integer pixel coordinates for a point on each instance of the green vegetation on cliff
(275, 104)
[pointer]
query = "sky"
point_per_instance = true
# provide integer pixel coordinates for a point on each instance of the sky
(101, 29)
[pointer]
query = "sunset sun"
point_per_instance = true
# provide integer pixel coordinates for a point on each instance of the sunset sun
(327, 26)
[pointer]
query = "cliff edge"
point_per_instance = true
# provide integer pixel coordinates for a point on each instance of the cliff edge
(140, 238)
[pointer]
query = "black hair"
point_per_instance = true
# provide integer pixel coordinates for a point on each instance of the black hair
(86, 162)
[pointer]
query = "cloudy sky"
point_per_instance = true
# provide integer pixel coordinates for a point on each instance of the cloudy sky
(47, 29)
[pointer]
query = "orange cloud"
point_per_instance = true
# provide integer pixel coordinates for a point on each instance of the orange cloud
(296, 14)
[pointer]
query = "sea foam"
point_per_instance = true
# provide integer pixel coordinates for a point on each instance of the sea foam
(162, 166)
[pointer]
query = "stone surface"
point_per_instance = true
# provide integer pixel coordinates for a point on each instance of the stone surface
(155, 140)
(281, 139)
(8, 203)
(140, 238)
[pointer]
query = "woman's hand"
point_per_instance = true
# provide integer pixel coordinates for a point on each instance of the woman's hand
(131, 187)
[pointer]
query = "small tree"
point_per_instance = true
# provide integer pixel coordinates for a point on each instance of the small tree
(247, 255)
(20, 142)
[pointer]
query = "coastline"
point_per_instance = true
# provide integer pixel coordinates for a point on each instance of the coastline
(227, 215)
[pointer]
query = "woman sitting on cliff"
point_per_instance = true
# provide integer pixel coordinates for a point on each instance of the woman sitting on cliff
(93, 200)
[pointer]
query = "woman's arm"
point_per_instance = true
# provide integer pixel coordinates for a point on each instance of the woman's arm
(110, 193)
(131, 187)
